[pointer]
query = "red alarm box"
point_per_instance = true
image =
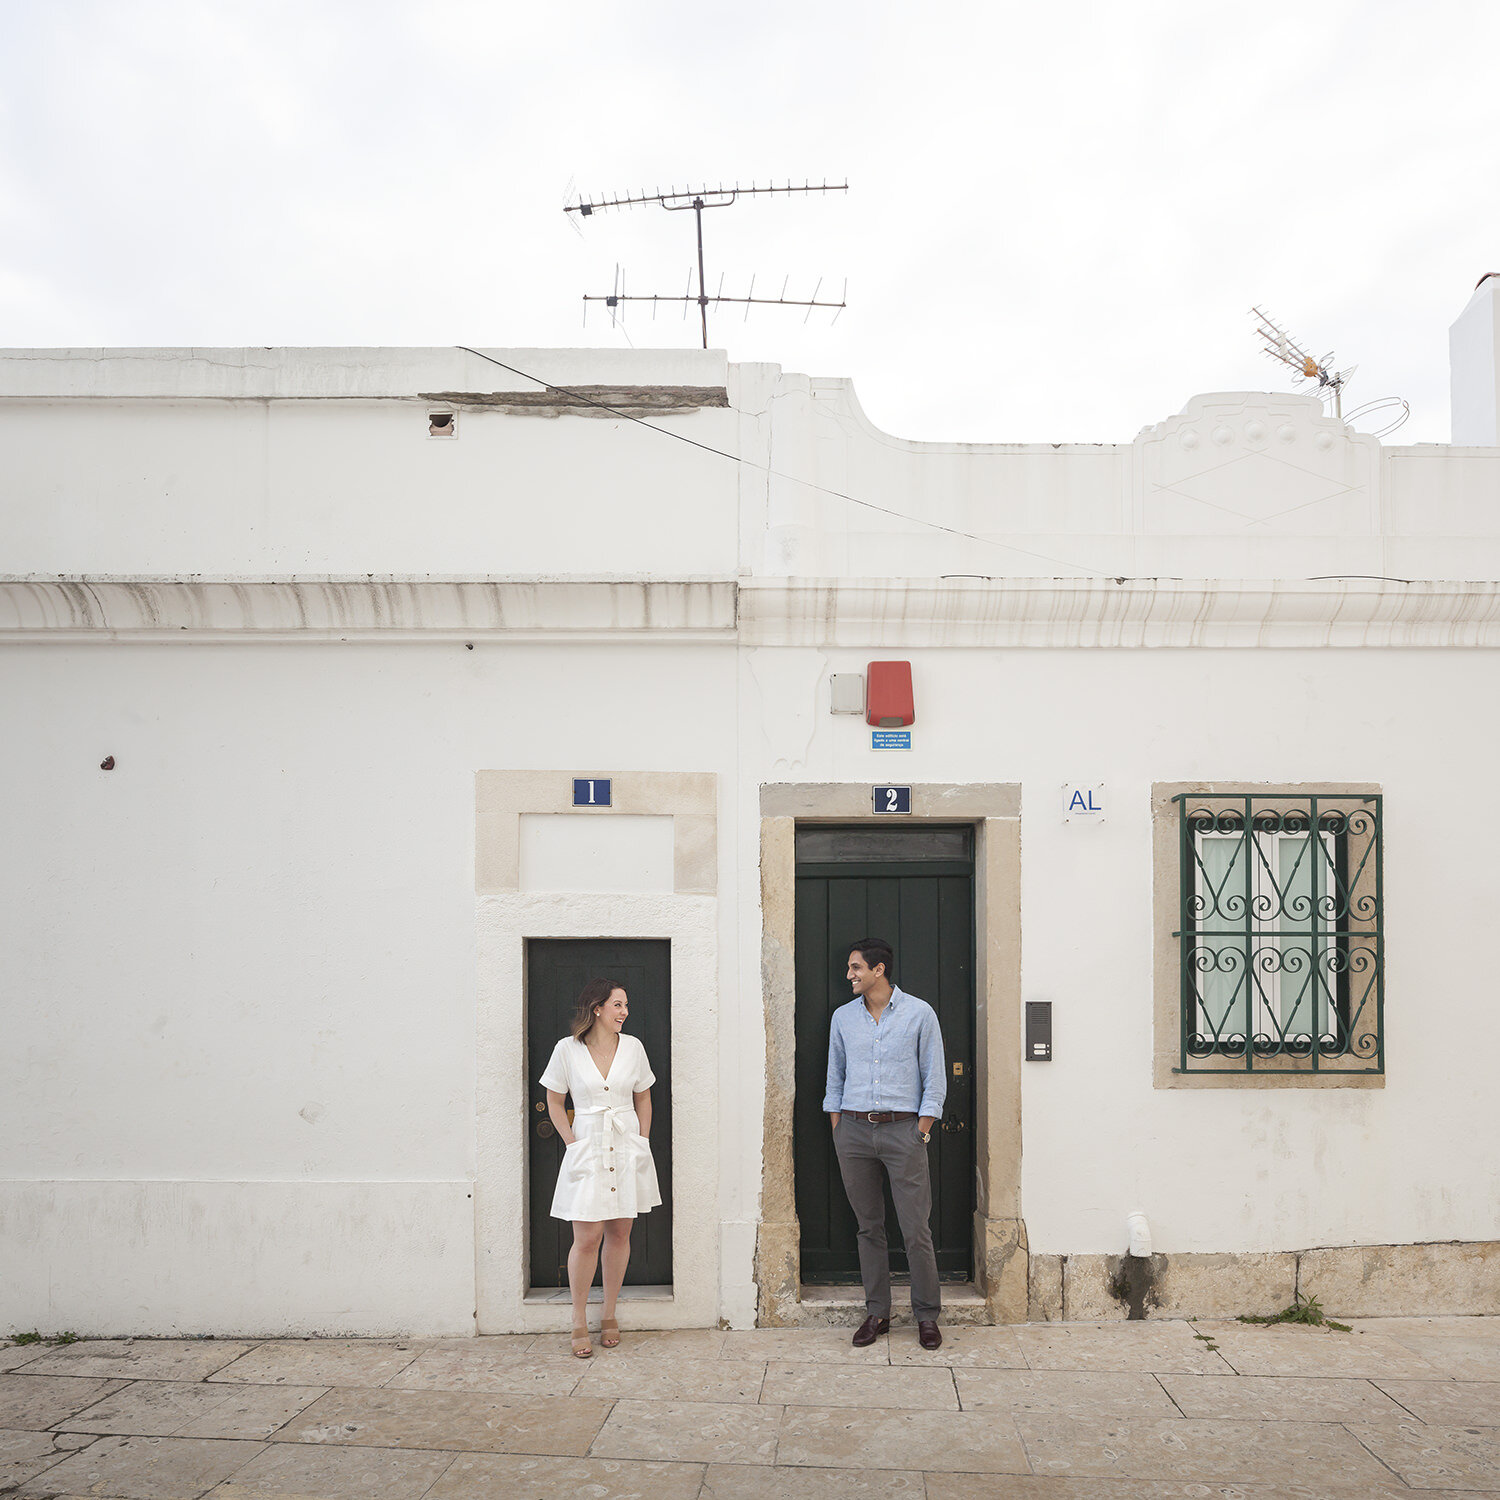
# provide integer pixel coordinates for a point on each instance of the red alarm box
(888, 699)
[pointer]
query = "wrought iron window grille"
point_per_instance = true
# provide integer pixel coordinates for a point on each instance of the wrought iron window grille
(1280, 939)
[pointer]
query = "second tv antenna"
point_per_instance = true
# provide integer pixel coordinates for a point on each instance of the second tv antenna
(1282, 347)
(699, 199)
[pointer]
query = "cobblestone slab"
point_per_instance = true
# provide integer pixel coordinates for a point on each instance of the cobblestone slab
(1279, 1398)
(840, 1438)
(1065, 1392)
(559, 1426)
(990, 1347)
(677, 1380)
(1041, 1487)
(487, 1476)
(1458, 1458)
(141, 1359)
(144, 1468)
(321, 1362)
(1320, 1352)
(1448, 1403)
(812, 1345)
(1163, 1348)
(792, 1384)
(1314, 1454)
(690, 1431)
(505, 1374)
(32, 1402)
(24, 1454)
(166, 1408)
(778, 1482)
(312, 1473)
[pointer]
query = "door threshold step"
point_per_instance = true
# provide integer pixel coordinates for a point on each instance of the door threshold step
(843, 1306)
(596, 1294)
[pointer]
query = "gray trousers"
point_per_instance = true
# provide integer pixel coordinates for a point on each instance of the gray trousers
(868, 1154)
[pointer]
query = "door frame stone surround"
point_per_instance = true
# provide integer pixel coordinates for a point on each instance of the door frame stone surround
(506, 916)
(994, 810)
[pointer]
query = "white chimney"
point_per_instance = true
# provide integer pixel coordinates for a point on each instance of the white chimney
(1473, 357)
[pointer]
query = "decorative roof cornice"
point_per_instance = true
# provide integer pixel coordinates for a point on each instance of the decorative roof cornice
(816, 613)
(365, 608)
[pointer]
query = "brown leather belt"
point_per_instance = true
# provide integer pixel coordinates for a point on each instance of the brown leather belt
(884, 1116)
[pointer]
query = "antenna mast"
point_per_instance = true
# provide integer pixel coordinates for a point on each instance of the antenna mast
(1284, 349)
(699, 199)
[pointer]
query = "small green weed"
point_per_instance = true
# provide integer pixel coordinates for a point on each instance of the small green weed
(1306, 1310)
(66, 1338)
(26, 1338)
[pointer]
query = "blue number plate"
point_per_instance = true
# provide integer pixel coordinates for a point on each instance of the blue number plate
(893, 799)
(590, 793)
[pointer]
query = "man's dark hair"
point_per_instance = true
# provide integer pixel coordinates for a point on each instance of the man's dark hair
(874, 951)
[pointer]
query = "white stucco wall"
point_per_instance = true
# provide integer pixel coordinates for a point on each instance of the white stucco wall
(1214, 1170)
(318, 461)
(239, 968)
(241, 977)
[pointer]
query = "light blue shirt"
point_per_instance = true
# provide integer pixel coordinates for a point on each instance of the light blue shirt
(895, 1064)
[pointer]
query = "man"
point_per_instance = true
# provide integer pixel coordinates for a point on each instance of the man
(886, 1085)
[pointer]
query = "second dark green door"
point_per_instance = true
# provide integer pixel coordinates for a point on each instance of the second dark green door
(913, 885)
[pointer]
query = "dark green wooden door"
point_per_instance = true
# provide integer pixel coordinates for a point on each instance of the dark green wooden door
(556, 970)
(913, 885)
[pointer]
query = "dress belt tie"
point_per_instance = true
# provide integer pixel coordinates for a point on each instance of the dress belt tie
(619, 1118)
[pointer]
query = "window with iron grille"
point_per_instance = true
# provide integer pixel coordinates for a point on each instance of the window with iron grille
(1281, 953)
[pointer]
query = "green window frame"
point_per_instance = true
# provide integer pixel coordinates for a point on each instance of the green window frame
(1281, 947)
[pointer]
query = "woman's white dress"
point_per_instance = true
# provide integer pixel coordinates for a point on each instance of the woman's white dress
(607, 1173)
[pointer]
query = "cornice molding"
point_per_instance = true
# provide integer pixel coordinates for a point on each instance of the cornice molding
(1105, 612)
(369, 608)
(816, 613)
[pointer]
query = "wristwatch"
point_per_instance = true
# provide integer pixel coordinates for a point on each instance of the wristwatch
(926, 1137)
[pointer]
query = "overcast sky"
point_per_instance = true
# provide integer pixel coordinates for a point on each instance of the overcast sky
(1058, 214)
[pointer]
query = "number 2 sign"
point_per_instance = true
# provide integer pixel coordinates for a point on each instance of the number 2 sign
(893, 799)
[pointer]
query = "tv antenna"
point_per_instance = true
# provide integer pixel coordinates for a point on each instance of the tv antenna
(1390, 412)
(1283, 348)
(698, 199)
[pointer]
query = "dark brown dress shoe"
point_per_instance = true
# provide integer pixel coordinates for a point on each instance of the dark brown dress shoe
(929, 1336)
(870, 1330)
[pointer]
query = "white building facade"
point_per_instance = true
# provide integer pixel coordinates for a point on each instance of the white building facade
(304, 651)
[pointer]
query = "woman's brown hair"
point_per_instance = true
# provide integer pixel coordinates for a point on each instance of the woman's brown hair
(590, 998)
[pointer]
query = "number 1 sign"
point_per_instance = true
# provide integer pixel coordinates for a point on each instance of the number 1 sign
(893, 799)
(590, 793)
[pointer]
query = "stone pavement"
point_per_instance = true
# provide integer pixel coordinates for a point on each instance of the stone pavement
(1118, 1411)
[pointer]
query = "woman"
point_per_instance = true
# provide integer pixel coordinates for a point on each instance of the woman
(607, 1175)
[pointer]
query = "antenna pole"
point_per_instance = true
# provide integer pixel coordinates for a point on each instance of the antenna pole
(702, 290)
(697, 200)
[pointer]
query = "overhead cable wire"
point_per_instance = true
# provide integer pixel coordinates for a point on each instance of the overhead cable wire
(967, 536)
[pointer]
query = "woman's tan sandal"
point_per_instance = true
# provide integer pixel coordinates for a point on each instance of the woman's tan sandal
(583, 1345)
(609, 1333)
